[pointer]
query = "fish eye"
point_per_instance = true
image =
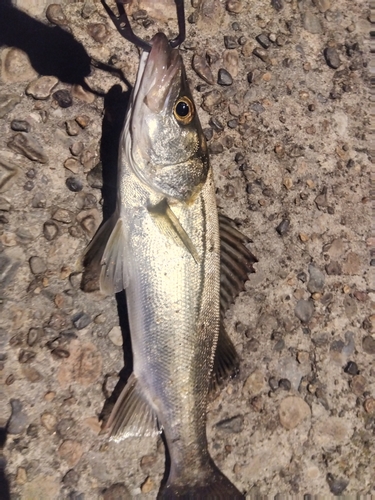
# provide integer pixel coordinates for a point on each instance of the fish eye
(184, 110)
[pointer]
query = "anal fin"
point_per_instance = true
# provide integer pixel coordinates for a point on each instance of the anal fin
(170, 226)
(226, 360)
(132, 416)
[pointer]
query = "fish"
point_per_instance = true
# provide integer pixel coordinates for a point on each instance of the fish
(181, 265)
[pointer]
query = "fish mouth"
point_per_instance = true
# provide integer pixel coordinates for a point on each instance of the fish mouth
(158, 73)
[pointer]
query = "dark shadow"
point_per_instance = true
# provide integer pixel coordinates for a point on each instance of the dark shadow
(4, 483)
(51, 50)
(167, 468)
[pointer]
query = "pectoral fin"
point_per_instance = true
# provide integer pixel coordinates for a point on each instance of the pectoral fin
(226, 361)
(131, 416)
(108, 249)
(170, 226)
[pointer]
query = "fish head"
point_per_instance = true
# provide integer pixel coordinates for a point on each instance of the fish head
(164, 141)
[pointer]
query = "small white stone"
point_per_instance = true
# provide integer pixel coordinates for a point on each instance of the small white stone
(115, 336)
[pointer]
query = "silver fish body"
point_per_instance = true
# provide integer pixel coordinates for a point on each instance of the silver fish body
(164, 249)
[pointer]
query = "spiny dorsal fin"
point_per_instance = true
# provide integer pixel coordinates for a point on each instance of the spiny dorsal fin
(170, 226)
(236, 262)
(131, 416)
(226, 361)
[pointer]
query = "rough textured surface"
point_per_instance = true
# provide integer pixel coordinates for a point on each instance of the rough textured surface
(292, 165)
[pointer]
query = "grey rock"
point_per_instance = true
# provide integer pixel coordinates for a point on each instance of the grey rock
(368, 344)
(74, 184)
(55, 15)
(8, 269)
(72, 128)
(88, 9)
(230, 42)
(98, 31)
(322, 200)
(224, 77)
(26, 356)
(76, 148)
(316, 281)
(71, 478)
(28, 146)
(311, 23)
(20, 126)
(62, 215)
(263, 40)
(332, 57)
(278, 5)
(262, 54)
(81, 320)
(9, 170)
(7, 103)
(42, 87)
(202, 69)
(64, 426)
(216, 124)
(208, 133)
(33, 335)
(95, 177)
(63, 98)
(337, 485)
(18, 420)
(234, 6)
(216, 148)
(37, 265)
(39, 200)
(211, 99)
(351, 368)
(233, 424)
(283, 227)
(304, 310)
(333, 268)
(50, 230)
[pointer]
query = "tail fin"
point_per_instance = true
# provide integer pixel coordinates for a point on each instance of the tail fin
(216, 487)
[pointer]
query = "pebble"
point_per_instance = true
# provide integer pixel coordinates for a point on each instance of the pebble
(293, 411)
(7, 103)
(74, 184)
(76, 149)
(20, 126)
(28, 146)
(285, 384)
(234, 6)
(333, 268)
(55, 15)
(311, 23)
(117, 491)
(224, 77)
(42, 87)
(48, 421)
(63, 98)
(321, 200)
(262, 54)
(332, 57)
(230, 61)
(278, 5)
(202, 69)
(72, 164)
(39, 200)
(37, 265)
(255, 383)
(283, 227)
(50, 230)
(216, 124)
(233, 424)
(368, 344)
(215, 148)
(82, 120)
(72, 128)
(62, 215)
(148, 485)
(337, 485)
(369, 406)
(263, 40)
(211, 99)
(33, 335)
(9, 170)
(95, 177)
(115, 336)
(98, 31)
(64, 426)
(304, 310)
(351, 368)
(88, 9)
(358, 385)
(352, 264)
(71, 452)
(316, 280)
(81, 320)
(71, 478)
(230, 42)
(322, 5)
(18, 420)
(82, 94)
(16, 66)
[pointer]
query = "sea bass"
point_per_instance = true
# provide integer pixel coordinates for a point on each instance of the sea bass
(162, 245)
